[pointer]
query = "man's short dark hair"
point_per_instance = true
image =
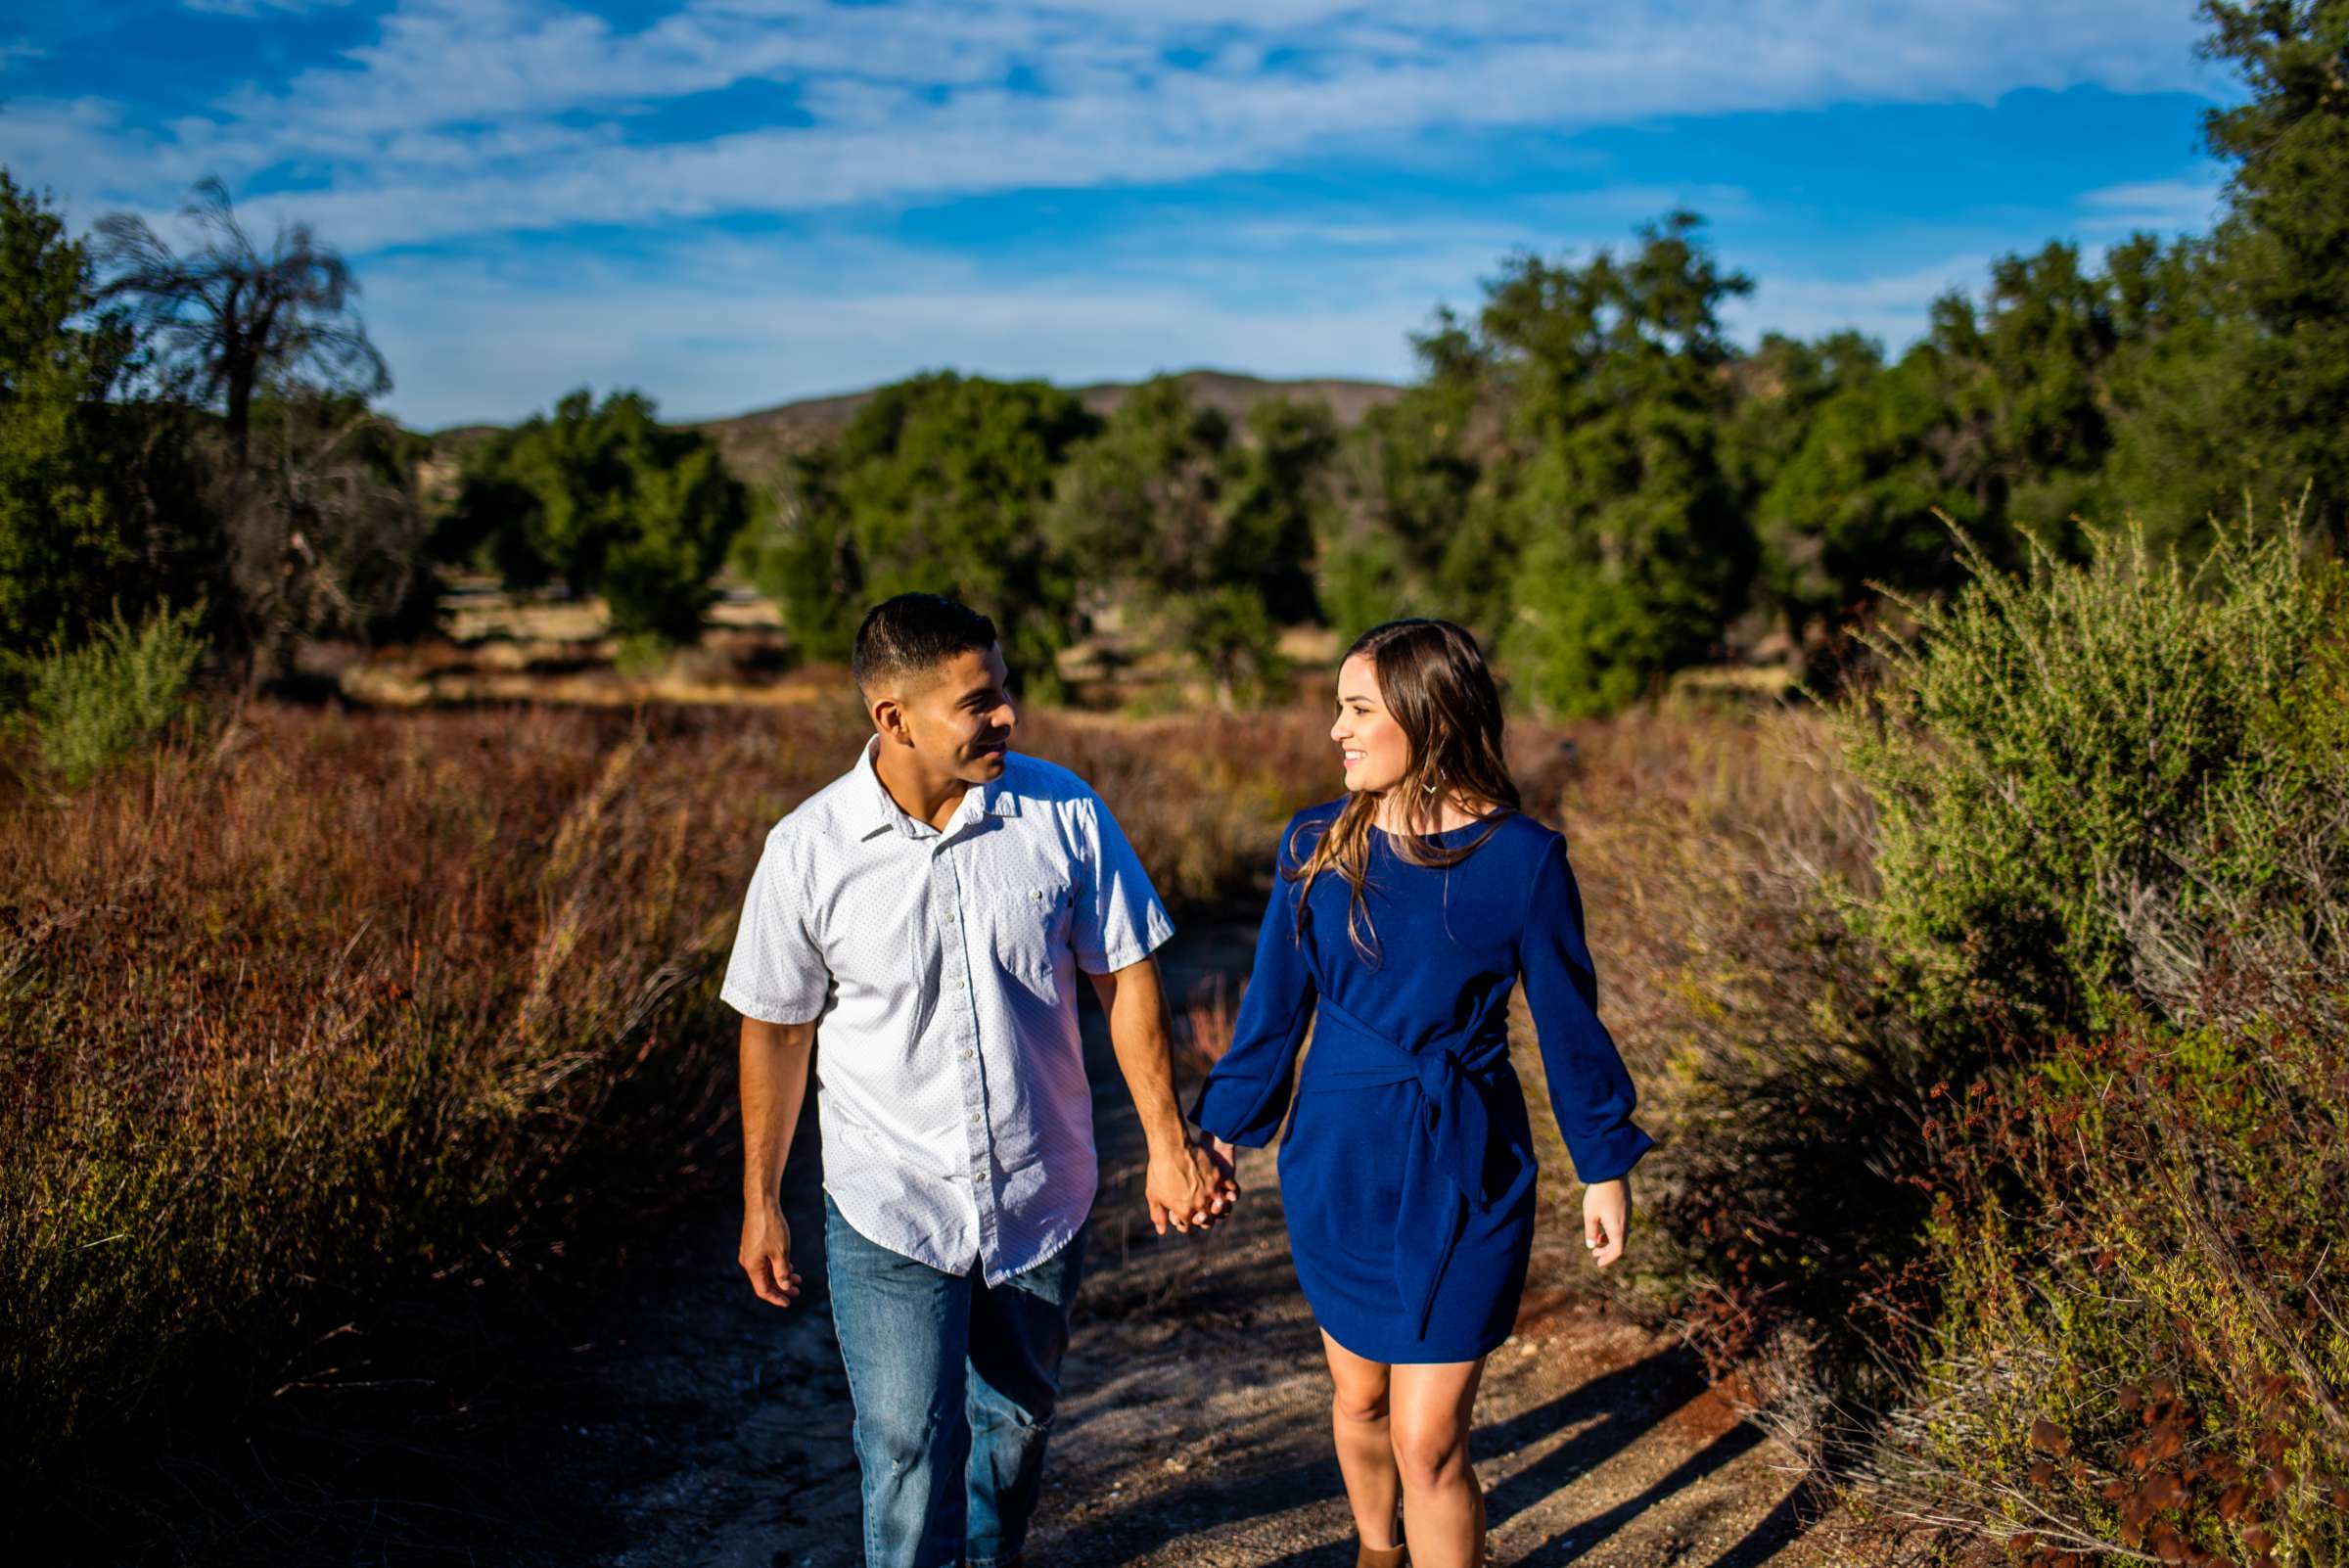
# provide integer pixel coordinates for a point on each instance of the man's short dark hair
(913, 633)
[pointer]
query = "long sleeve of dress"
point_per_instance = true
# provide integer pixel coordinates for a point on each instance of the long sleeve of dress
(1589, 1090)
(1246, 1097)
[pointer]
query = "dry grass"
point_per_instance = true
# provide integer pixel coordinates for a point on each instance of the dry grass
(329, 1006)
(1714, 846)
(335, 1001)
(328, 1003)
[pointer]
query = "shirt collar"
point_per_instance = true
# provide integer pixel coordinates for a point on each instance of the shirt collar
(880, 810)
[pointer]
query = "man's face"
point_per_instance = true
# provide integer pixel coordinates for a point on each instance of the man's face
(959, 717)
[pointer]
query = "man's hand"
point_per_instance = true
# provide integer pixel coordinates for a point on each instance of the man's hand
(1606, 1217)
(766, 1254)
(1189, 1188)
(774, 1080)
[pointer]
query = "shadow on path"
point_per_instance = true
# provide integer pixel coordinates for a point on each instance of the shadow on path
(1574, 1543)
(1774, 1532)
(1625, 1403)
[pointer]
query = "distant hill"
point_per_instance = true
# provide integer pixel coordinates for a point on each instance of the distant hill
(754, 443)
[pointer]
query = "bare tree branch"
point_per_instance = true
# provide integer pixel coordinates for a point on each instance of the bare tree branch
(227, 319)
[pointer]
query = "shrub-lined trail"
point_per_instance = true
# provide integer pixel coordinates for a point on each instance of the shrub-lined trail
(266, 1379)
(706, 1433)
(697, 1427)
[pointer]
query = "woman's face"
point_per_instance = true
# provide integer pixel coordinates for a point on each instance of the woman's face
(1375, 751)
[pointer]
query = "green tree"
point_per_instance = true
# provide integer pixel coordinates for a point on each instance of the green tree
(939, 484)
(2008, 415)
(1276, 496)
(2029, 433)
(2285, 236)
(605, 499)
(1633, 551)
(1780, 385)
(1206, 529)
(1852, 502)
(1411, 529)
(1782, 391)
(798, 550)
(2184, 445)
(68, 527)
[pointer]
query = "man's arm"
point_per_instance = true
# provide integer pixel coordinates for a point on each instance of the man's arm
(1185, 1187)
(774, 1084)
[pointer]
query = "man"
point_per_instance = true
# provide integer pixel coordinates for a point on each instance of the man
(927, 911)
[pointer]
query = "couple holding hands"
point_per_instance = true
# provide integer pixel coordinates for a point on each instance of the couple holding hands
(927, 913)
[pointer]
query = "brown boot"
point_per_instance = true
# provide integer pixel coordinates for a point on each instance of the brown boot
(1392, 1556)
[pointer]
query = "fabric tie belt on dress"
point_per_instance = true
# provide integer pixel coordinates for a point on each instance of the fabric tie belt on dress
(1444, 1163)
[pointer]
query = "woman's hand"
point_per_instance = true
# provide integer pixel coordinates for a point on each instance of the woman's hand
(1188, 1187)
(1606, 1217)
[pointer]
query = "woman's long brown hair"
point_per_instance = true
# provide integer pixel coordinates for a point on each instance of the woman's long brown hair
(1434, 681)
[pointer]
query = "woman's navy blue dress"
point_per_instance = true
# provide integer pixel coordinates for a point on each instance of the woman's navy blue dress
(1408, 1171)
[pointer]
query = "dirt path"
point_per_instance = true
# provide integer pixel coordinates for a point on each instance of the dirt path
(659, 1415)
(698, 1428)
(705, 1430)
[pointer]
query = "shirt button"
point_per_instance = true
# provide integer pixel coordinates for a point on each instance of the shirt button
(967, 1055)
(974, 1118)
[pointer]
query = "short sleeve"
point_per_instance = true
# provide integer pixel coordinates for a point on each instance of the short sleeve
(1589, 1090)
(1120, 919)
(776, 973)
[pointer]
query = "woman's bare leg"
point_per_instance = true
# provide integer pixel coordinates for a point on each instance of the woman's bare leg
(1365, 1450)
(1429, 1408)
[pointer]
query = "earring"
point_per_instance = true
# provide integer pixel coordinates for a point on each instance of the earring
(1432, 788)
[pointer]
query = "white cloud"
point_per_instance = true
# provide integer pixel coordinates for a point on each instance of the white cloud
(720, 325)
(468, 124)
(483, 116)
(2167, 207)
(1891, 307)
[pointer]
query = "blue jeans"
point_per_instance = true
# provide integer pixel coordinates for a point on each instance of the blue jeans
(954, 1383)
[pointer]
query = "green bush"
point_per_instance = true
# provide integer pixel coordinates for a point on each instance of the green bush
(605, 499)
(2084, 771)
(938, 485)
(69, 532)
(92, 705)
(2141, 1348)
(1204, 526)
(2110, 801)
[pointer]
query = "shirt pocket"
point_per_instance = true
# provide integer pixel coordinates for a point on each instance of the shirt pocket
(1030, 924)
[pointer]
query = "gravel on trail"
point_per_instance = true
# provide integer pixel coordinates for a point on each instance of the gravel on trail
(710, 1430)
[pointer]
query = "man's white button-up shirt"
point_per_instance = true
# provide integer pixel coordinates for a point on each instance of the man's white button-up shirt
(939, 969)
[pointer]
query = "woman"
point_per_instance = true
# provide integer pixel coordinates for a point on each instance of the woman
(1402, 917)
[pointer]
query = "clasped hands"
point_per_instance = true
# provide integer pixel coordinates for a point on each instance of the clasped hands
(1190, 1185)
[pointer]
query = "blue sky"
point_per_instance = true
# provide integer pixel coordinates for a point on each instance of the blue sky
(730, 202)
